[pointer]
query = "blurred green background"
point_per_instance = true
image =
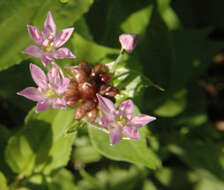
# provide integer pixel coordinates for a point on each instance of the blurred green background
(180, 49)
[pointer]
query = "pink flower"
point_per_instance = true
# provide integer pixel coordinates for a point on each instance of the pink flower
(49, 42)
(122, 120)
(128, 41)
(50, 88)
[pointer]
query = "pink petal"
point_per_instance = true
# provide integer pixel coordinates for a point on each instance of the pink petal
(63, 53)
(63, 37)
(104, 121)
(38, 76)
(126, 108)
(107, 107)
(54, 75)
(35, 34)
(128, 41)
(63, 85)
(59, 103)
(43, 105)
(33, 51)
(49, 29)
(140, 120)
(131, 132)
(31, 93)
(115, 135)
(46, 59)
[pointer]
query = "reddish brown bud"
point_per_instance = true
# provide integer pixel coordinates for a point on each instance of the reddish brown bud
(86, 90)
(79, 75)
(92, 114)
(85, 67)
(82, 109)
(104, 77)
(98, 69)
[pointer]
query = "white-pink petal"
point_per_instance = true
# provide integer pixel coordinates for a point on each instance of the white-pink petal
(140, 120)
(38, 76)
(46, 59)
(49, 29)
(126, 108)
(31, 93)
(63, 37)
(42, 106)
(115, 135)
(63, 53)
(63, 85)
(107, 106)
(33, 51)
(54, 76)
(131, 132)
(104, 121)
(59, 103)
(35, 34)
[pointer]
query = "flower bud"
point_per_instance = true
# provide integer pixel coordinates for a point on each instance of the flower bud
(128, 41)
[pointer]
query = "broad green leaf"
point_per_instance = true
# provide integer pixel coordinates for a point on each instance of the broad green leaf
(92, 52)
(138, 21)
(3, 181)
(62, 180)
(44, 144)
(127, 150)
(16, 14)
(86, 154)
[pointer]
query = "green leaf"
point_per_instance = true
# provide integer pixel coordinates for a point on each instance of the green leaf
(43, 144)
(86, 154)
(16, 14)
(62, 180)
(3, 181)
(92, 52)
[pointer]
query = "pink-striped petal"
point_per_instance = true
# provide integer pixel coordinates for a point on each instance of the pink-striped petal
(42, 106)
(126, 108)
(63, 85)
(38, 76)
(33, 51)
(140, 120)
(128, 41)
(104, 121)
(46, 59)
(59, 103)
(63, 37)
(107, 106)
(31, 93)
(35, 34)
(131, 132)
(49, 29)
(54, 76)
(63, 53)
(115, 135)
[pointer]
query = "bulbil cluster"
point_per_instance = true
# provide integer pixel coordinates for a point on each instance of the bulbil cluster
(86, 83)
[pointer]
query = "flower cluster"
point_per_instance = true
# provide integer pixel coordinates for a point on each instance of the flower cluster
(87, 88)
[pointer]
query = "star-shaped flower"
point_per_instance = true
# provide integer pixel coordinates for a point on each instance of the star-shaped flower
(50, 88)
(49, 42)
(121, 120)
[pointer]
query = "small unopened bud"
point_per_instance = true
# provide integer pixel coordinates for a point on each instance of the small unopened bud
(128, 41)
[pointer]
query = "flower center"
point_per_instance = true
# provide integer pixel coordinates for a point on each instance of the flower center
(50, 93)
(49, 47)
(121, 121)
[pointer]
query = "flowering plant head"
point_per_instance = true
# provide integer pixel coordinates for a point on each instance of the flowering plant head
(50, 88)
(49, 42)
(122, 120)
(128, 42)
